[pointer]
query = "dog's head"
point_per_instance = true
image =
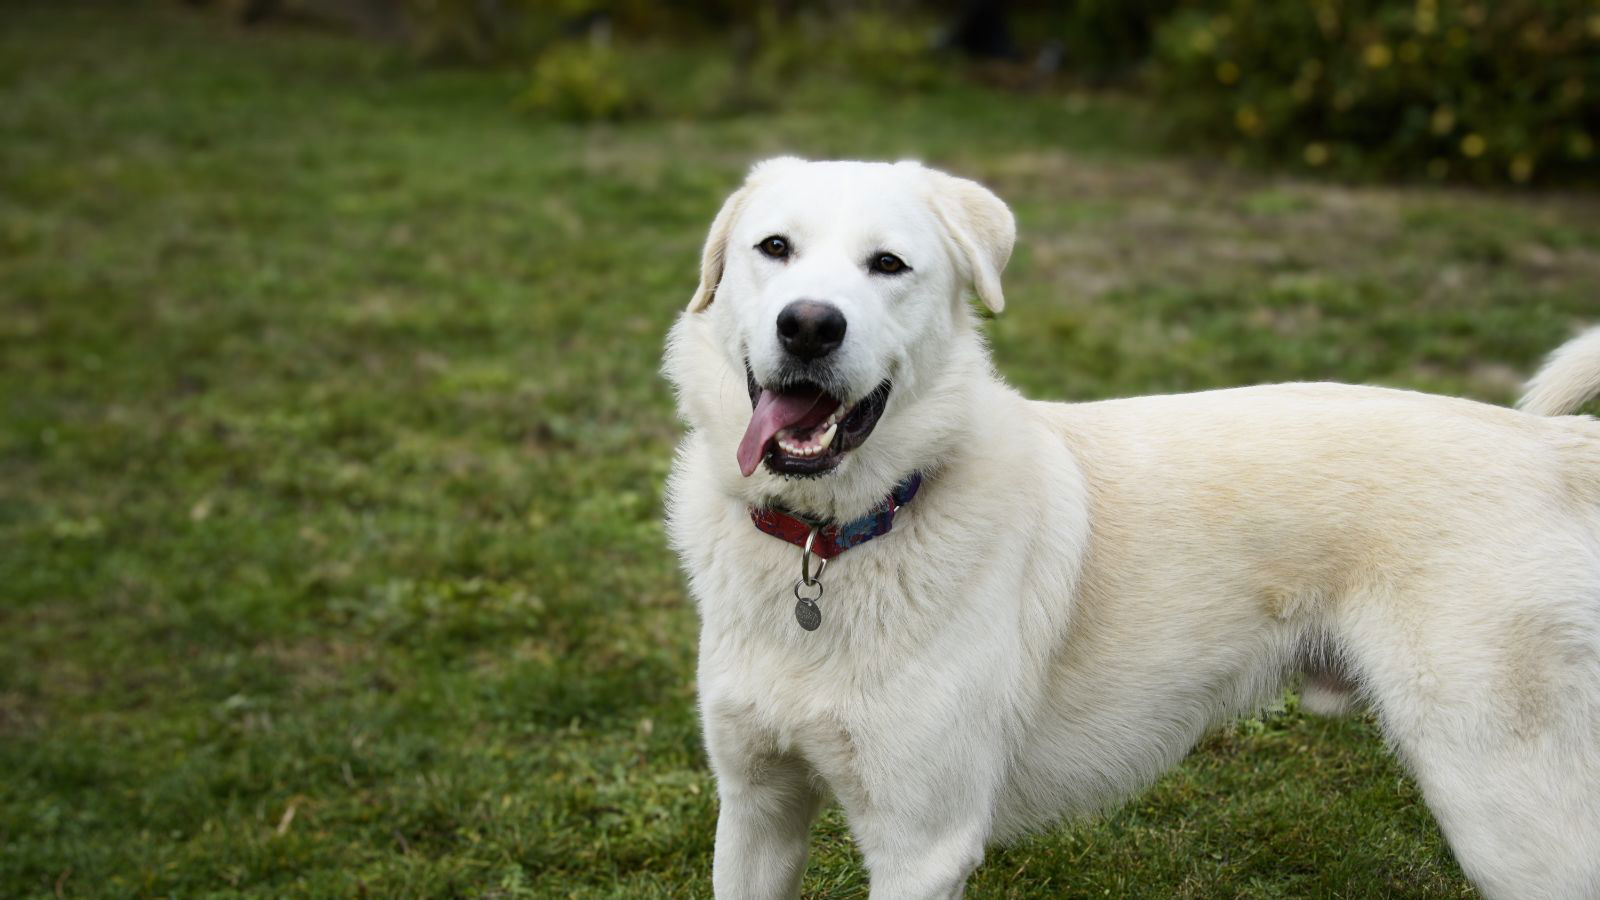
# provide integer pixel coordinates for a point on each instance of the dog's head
(832, 297)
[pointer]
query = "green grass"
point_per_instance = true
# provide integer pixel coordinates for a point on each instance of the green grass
(332, 450)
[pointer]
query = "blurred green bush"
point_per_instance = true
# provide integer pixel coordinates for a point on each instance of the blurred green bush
(1100, 40)
(1503, 91)
(893, 48)
(623, 70)
(582, 82)
(1465, 90)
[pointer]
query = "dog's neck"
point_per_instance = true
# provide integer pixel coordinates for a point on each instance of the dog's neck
(829, 539)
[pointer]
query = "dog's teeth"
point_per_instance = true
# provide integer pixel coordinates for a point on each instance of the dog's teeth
(827, 436)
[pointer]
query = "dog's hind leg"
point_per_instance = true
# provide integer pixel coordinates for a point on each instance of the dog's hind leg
(1523, 822)
(1326, 698)
(1494, 704)
(1326, 689)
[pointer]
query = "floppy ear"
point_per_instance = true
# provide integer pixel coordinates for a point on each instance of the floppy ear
(983, 230)
(715, 255)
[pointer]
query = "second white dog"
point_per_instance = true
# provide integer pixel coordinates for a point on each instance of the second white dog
(1033, 609)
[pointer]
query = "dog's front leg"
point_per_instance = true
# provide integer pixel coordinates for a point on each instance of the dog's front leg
(935, 870)
(762, 829)
(915, 858)
(768, 799)
(924, 820)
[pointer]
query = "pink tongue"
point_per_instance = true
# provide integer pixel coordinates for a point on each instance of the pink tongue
(775, 412)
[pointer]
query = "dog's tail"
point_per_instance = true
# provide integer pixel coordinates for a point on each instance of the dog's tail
(1569, 378)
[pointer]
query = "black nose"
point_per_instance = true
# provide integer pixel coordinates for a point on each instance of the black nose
(810, 329)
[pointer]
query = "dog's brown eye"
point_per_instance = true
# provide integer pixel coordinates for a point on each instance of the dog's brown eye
(889, 264)
(775, 247)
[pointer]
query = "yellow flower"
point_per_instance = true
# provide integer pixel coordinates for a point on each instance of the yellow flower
(1327, 19)
(1443, 120)
(1227, 72)
(1378, 56)
(1316, 153)
(1473, 145)
(1521, 168)
(1248, 120)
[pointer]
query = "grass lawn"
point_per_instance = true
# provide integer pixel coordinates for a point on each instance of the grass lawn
(332, 445)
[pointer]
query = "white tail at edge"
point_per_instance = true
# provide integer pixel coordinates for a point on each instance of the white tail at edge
(1569, 378)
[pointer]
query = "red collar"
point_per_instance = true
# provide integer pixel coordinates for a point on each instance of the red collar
(834, 539)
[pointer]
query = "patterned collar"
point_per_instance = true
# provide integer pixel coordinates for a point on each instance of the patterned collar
(836, 538)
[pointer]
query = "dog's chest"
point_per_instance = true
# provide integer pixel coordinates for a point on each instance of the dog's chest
(772, 701)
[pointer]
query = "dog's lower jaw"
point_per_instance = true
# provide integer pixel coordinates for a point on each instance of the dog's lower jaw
(919, 432)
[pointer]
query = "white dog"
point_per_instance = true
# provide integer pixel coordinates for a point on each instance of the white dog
(1034, 609)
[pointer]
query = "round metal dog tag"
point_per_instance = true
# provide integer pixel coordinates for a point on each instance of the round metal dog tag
(807, 614)
(805, 608)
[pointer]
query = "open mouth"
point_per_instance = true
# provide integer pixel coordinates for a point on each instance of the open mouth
(801, 429)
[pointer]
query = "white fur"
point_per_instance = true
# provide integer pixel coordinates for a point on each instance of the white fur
(1568, 379)
(1081, 590)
